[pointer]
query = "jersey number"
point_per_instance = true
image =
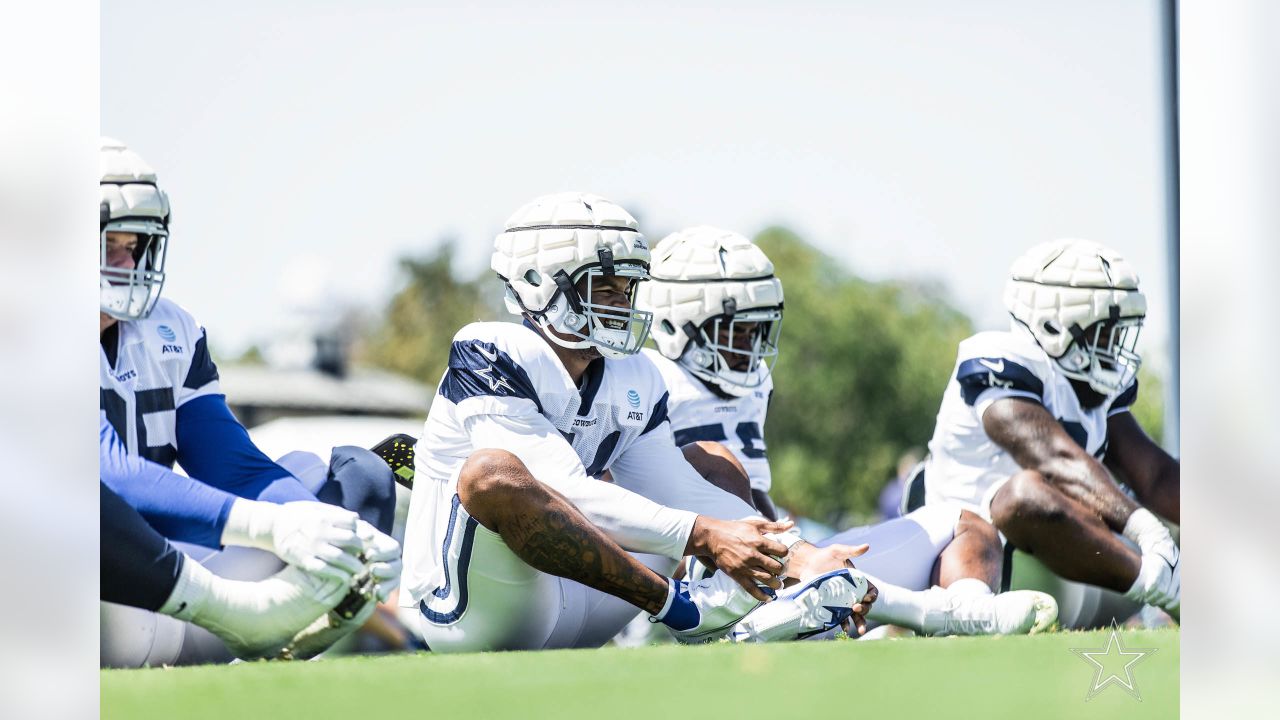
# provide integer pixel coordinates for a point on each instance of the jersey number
(145, 402)
(747, 432)
(603, 451)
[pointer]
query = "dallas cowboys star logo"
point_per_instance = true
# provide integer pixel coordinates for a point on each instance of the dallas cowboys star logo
(1106, 660)
(494, 382)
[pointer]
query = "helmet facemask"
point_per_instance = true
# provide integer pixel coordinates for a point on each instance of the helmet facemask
(736, 350)
(1104, 355)
(131, 294)
(615, 331)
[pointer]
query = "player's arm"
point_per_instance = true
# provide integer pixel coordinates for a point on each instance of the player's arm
(655, 467)
(1037, 441)
(1154, 475)
(216, 449)
(212, 444)
(316, 537)
(177, 507)
(633, 521)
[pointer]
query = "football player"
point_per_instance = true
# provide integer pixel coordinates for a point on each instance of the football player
(159, 388)
(1036, 421)
(512, 541)
(295, 613)
(717, 308)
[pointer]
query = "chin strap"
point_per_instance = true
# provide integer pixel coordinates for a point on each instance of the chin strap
(562, 281)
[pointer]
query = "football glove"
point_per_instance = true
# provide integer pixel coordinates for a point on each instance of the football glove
(319, 538)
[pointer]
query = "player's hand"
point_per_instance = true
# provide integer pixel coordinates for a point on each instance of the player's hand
(319, 538)
(808, 562)
(382, 557)
(740, 549)
(313, 536)
(858, 621)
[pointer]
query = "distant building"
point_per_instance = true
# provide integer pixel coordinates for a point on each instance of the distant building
(308, 375)
(260, 393)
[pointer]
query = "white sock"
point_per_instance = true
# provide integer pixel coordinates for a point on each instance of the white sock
(190, 593)
(1148, 571)
(899, 606)
(969, 586)
(1144, 529)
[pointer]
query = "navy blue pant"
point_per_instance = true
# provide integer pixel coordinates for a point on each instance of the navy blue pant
(138, 566)
(361, 482)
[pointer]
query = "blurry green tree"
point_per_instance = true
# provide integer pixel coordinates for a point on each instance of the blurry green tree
(417, 327)
(859, 379)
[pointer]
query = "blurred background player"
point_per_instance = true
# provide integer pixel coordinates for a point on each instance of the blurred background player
(717, 310)
(159, 388)
(1035, 420)
(512, 540)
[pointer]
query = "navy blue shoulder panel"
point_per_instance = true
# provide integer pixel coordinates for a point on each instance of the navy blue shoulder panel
(202, 370)
(978, 374)
(480, 368)
(659, 414)
(1126, 399)
(592, 377)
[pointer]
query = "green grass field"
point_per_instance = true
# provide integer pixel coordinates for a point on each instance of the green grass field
(1010, 677)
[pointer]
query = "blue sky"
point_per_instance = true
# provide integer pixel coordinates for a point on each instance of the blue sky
(306, 145)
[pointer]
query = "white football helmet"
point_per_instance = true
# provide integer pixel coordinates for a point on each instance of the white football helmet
(551, 244)
(717, 306)
(131, 203)
(1081, 303)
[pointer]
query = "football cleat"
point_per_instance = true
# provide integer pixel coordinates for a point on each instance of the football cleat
(257, 619)
(1019, 612)
(819, 605)
(345, 618)
(721, 603)
(397, 451)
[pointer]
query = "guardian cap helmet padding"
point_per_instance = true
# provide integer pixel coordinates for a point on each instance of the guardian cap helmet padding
(717, 306)
(557, 241)
(1081, 303)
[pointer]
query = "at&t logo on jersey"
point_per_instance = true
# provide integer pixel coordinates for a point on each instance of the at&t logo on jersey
(633, 397)
(166, 333)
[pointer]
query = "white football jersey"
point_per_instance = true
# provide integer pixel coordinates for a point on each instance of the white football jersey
(161, 363)
(505, 374)
(963, 463)
(697, 413)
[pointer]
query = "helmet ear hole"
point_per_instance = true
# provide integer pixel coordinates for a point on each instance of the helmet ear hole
(667, 327)
(533, 277)
(1050, 328)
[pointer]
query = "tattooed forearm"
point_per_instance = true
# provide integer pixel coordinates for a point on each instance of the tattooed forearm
(558, 540)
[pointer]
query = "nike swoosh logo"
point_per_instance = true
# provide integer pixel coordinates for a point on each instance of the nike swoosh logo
(994, 367)
(490, 356)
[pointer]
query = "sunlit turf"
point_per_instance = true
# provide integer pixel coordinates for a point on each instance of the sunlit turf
(1010, 677)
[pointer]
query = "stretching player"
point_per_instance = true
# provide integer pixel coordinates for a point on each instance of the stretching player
(297, 613)
(717, 310)
(159, 386)
(512, 541)
(1034, 418)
